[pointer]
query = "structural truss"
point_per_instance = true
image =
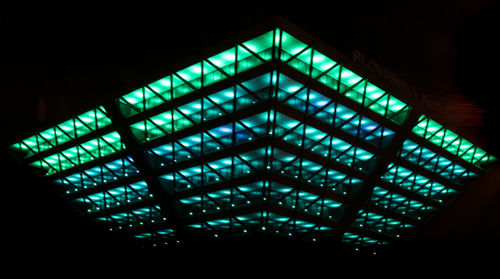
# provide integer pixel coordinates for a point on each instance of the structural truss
(276, 134)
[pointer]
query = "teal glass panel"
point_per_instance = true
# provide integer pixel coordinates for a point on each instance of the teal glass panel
(62, 133)
(134, 218)
(119, 196)
(97, 176)
(84, 153)
(358, 240)
(417, 183)
(436, 163)
(261, 45)
(380, 224)
(399, 203)
(451, 142)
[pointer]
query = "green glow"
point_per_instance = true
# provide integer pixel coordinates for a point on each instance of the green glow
(261, 45)
(451, 142)
(317, 171)
(290, 46)
(62, 133)
(84, 153)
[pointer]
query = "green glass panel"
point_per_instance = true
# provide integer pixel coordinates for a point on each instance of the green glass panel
(331, 78)
(321, 63)
(302, 62)
(31, 144)
(162, 87)
(211, 74)
(180, 88)
(246, 60)
(152, 100)
(48, 138)
(348, 77)
(225, 60)
(451, 142)
(135, 98)
(395, 105)
(192, 74)
(261, 45)
(290, 46)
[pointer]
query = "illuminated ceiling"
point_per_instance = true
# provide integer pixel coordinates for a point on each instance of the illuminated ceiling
(273, 135)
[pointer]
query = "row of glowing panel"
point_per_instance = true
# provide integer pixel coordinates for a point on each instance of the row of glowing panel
(226, 101)
(99, 175)
(256, 52)
(435, 163)
(451, 142)
(252, 162)
(67, 131)
(230, 135)
(94, 149)
(220, 137)
(256, 193)
(115, 197)
(270, 222)
(133, 218)
(301, 200)
(264, 221)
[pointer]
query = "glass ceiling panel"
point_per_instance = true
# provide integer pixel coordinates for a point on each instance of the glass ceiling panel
(300, 56)
(325, 109)
(264, 221)
(97, 176)
(118, 196)
(359, 240)
(414, 182)
(436, 163)
(451, 142)
(214, 69)
(81, 154)
(399, 204)
(103, 189)
(380, 224)
(67, 131)
(133, 218)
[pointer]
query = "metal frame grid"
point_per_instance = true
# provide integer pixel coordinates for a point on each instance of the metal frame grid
(269, 136)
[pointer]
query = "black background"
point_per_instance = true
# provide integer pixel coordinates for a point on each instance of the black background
(62, 58)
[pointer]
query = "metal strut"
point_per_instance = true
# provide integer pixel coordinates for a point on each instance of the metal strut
(136, 151)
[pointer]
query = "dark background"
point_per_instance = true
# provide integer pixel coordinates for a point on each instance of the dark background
(62, 58)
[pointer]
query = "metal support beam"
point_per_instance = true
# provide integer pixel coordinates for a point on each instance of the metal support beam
(387, 156)
(136, 151)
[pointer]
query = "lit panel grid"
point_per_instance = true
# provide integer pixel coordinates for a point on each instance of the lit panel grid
(330, 112)
(252, 53)
(160, 237)
(133, 218)
(213, 106)
(221, 66)
(308, 171)
(98, 176)
(435, 163)
(307, 60)
(86, 152)
(118, 196)
(264, 221)
(67, 131)
(358, 240)
(451, 142)
(259, 152)
(400, 204)
(417, 183)
(380, 224)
